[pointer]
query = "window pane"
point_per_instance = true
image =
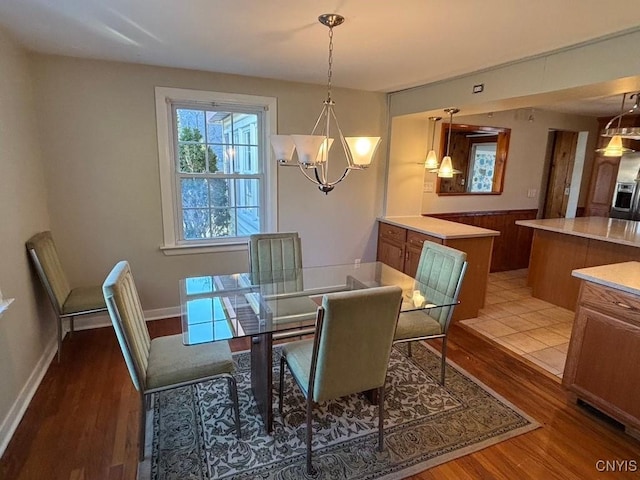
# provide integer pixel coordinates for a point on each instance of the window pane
(195, 192)
(192, 158)
(195, 223)
(217, 159)
(247, 159)
(247, 192)
(248, 221)
(218, 123)
(246, 122)
(190, 125)
(224, 222)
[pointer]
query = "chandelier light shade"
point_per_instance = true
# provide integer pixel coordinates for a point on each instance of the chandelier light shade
(446, 169)
(431, 162)
(615, 148)
(313, 149)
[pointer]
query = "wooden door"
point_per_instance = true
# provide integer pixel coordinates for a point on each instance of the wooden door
(562, 159)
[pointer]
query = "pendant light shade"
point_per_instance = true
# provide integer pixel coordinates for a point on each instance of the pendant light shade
(446, 169)
(431, 162)
(362, 149)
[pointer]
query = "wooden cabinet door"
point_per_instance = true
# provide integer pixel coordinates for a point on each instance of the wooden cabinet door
(602, 186)
(391, 253)
(602, 364)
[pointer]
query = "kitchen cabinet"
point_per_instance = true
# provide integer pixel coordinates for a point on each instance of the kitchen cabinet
(400, 242)
(602, 182)
(604, 351)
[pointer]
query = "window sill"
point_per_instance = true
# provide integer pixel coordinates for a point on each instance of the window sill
(211, 248)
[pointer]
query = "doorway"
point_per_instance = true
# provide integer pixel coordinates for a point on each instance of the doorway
(561, 158)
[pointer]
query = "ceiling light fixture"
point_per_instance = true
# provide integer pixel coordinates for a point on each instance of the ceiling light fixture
(313, 149)
(431, 161)
(615, 148)
(446, 169)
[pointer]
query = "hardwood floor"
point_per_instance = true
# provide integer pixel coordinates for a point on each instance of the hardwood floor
(82, 423)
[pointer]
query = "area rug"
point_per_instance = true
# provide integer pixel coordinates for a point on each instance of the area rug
(425, 425)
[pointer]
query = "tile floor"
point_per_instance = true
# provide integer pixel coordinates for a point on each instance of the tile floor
(530, 327)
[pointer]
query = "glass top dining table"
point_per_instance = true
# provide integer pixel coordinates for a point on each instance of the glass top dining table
(221, 307)
(272, 305)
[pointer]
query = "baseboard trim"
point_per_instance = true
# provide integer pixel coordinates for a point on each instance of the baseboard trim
(19, 407)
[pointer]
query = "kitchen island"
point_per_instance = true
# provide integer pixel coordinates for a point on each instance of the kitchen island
(400, 242)
(561, 245)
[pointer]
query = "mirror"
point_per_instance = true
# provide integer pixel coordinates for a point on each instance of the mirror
(479, 153)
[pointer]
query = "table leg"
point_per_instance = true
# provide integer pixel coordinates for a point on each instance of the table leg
(262, 377)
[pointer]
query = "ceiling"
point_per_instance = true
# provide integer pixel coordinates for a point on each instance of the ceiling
(382, 46)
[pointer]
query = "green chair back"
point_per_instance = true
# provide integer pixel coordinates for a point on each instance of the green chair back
(276, 259)
(440, 270)
(45, 257)
(127, 317)
(353, 341)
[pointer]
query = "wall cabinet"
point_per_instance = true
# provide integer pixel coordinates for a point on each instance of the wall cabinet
(401, 247)
(604, 353)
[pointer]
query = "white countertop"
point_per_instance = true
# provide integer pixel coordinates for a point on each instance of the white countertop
(613, 230)
(621, 276)
(439, 228)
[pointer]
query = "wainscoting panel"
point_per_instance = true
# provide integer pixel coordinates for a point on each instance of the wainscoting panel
(512, 248)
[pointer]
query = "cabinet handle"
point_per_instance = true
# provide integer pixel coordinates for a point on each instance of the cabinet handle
(625, 305)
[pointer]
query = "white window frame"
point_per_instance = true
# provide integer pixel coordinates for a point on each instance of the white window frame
(165, 97)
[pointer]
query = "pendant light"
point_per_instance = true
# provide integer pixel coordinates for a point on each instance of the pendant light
(446, 169)
(615, 148)
(313, 150)
(431, 161)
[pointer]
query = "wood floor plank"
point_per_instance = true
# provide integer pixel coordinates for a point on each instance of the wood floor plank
(83, 420)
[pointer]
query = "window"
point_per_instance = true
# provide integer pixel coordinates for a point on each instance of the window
(483, 162)
(217, 176)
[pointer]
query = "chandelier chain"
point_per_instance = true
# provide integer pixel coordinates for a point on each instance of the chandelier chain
(330, 69)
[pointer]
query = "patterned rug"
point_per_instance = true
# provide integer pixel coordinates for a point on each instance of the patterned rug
(425, 425)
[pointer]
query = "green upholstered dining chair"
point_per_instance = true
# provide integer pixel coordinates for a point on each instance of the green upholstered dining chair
(275, 261)
(67, 302)
(349, 353)
(276, 252)
(440, 273)
(165, 362)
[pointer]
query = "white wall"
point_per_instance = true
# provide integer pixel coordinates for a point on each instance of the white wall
(27, 328)
(98, 131)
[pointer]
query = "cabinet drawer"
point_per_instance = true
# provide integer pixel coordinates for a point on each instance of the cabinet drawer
(416, 239)
(620, 305)
(393, 233)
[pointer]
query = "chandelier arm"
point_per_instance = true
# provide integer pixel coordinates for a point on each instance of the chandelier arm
(345, 147)
(342, 177)
(311, 179)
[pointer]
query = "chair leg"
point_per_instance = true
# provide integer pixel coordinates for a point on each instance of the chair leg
(309, 435)
(233, 391)
(143, 423)
(59, 338)
(280, 392)
(381, 419)
(71, 325)
(443, 360)
(408, 349)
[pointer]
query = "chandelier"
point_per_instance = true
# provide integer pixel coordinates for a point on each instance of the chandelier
(615, 148)
(313, 150)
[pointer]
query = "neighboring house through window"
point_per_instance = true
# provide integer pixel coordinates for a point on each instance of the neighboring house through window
(217, 177)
